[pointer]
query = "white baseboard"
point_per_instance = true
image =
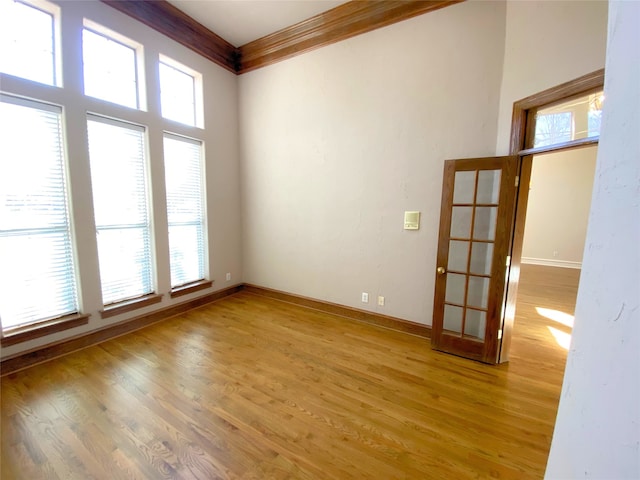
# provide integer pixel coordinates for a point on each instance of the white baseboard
(551, 263)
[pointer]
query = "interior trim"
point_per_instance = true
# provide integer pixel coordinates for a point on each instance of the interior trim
(53, 350)
(23, 360)
(41, 329)
(558, 147)
(129, 305)
(587, 83)
(372, 318)
(177, 25)
(339, 23)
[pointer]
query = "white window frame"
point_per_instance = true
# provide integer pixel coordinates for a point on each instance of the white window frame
(202, 222)
(141, 95)
(56, 42)
(197, 89)
(149, 214)
(68, 227)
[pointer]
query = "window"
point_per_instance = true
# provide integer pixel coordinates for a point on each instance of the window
(185, 208)
(111, 66)
(28, 40)
(180, 93)
(553, 128)
(120, 201)
(37, 273)
(573, 119)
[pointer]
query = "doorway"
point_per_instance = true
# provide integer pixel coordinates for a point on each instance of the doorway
(563, 119)
(554, 237)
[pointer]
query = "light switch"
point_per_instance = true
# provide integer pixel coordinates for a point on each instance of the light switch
(411, 220)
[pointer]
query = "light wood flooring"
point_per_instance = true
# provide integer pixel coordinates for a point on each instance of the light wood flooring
(254, 388)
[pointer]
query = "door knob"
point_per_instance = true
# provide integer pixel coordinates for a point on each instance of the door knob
(440, 270)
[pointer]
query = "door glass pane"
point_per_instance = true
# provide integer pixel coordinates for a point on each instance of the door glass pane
(463, 187)
(481, 258)
(488, 186)
(455, 288)
(452, 319)
(475, 323)
(461, 222)
(485, 223)
(458, 256)
(478, 292)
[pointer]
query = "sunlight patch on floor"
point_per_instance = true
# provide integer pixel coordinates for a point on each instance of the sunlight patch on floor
(562, 338)
(557, 316)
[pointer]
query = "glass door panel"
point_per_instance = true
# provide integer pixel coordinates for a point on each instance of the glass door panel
(458, 256)
(481, 257)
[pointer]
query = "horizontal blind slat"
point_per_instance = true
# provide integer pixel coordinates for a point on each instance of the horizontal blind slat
(37, 273)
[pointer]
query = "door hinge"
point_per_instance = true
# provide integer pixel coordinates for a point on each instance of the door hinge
(500, 334)
(517, 181)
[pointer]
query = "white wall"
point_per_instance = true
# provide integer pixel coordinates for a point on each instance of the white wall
(548, 43)
(337, 143)
(222, 164)
(597, 433)
(558, 208)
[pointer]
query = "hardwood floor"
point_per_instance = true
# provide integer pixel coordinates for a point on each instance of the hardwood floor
(254, 388)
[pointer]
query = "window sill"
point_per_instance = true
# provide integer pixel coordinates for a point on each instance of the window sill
(47, 327)
(190, 288)
(130, 305)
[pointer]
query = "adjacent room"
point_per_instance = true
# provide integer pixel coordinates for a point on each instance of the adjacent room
(319, 239)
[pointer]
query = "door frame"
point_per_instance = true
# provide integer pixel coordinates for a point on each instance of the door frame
(521, 143)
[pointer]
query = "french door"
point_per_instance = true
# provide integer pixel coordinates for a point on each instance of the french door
(476, 229)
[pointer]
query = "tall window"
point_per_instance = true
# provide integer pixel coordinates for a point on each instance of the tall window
(37, 273)
(185, 208)
(180, 93)
(121, 207)
(111, 66)
(28, 40)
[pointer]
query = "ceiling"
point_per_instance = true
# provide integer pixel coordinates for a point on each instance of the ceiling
(242, 21)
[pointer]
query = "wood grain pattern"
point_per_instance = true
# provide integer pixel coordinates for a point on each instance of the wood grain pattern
(251, 387)
(130, 305)
(42, 354)
(483, 350)
(342, 22)
(524, 174)
(345, 21)
(41, 329)
(177, 25)
(373, 318)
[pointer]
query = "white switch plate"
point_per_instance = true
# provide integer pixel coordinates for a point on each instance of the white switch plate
(411, 220)
(365, 297)
(228, 277)
(381, 300)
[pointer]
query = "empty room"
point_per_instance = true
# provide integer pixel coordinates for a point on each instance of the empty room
(315, 239)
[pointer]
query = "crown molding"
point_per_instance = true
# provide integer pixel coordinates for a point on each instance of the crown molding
(177, 25)
(342, 22)
(339, 23)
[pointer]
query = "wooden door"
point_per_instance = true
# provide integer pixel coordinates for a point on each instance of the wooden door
(476, 229)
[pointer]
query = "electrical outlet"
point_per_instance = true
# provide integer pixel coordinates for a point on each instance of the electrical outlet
(381, 300)
(555, 253)
(365, 297)
(228, 277)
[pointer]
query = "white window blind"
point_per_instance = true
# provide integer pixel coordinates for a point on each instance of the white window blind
(185, 208)
(120, 200)
(27, 40)
(37, 274)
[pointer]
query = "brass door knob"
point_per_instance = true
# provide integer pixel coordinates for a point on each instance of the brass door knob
(441, 270)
